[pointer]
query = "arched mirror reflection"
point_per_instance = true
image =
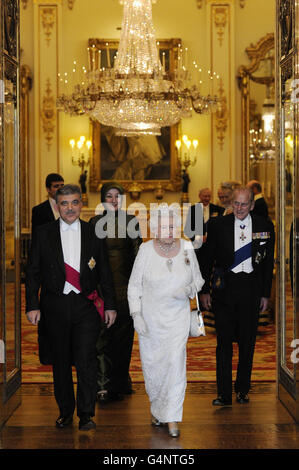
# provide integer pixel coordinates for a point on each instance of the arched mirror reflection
(257, 84)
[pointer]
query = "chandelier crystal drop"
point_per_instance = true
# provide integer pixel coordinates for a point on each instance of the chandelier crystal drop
(137, 95)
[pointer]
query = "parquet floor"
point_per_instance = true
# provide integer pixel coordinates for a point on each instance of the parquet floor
(262, 424)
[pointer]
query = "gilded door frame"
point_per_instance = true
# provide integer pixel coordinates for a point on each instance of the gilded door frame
(286, 64)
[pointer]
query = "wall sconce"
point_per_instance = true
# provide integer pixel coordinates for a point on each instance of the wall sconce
(81, 158)
(159, 192)
(187, 156)
(135, 191)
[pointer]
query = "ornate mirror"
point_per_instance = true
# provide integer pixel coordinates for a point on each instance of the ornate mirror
(257, 85)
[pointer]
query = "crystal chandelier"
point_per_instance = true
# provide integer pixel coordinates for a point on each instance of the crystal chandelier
(262, 140)
(137, 95)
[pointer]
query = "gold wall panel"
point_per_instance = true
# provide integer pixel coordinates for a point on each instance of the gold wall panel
(47, 21)
(221, 21)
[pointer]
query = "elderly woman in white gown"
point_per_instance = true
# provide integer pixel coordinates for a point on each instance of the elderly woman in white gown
(164, 276)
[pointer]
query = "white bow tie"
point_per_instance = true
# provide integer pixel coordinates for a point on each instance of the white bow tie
(73, 226)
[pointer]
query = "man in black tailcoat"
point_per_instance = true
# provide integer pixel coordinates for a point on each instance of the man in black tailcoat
(47, 211)
(260, 205)
(237, 265)
(198, 218)
(68, 262)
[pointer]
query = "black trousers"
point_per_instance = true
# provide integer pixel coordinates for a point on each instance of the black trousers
(73, 324)
(114, 349)
(236, 310)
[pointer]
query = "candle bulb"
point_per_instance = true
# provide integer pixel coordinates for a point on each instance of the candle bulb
(99, 59)
(89, 58)
(186, 58)
(200, 78)
(163, 62)
(93, 57)
(108, 55)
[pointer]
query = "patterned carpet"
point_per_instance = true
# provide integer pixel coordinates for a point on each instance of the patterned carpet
(201, 365)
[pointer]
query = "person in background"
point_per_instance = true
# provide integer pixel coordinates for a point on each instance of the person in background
(68, 262)
(47, 211)
(210, 210)
(164, 276)
(198, 217)
(260, 205)
(225, 198)
(114, 345)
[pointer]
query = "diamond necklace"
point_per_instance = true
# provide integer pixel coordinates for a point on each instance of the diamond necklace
(167, 247)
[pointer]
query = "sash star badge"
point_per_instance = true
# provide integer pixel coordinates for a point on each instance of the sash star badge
(91, 263)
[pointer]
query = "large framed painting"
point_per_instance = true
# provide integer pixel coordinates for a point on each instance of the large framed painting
(150, 161)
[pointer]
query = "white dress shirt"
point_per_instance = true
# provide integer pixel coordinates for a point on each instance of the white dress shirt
(71, 247)
(245, 266)
(54, 208)
(206, 213)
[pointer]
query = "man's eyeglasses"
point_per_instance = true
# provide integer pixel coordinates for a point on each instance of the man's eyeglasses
(243, 205)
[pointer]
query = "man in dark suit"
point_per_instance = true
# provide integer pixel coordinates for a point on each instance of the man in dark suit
(198, 217)
(260, 205)
(47, 210)
(68, 262)
(240, 248)
(209, 210)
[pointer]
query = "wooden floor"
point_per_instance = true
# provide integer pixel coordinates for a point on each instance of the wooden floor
(262, 424)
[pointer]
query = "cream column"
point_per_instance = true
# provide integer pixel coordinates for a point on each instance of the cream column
(47, 24)
(221, 53)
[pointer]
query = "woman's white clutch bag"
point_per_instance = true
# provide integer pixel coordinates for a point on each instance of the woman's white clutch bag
(197, 327)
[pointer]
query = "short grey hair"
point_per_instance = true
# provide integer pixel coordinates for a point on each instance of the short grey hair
(67, 190)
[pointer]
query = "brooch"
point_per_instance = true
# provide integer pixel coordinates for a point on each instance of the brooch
(187, 261)
(91, 263)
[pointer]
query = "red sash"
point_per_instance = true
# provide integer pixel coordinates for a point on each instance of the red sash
(73, 277)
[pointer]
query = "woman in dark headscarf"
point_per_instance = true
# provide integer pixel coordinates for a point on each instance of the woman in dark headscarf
(114, 346)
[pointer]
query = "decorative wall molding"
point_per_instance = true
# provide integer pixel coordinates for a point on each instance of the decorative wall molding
(199, 3)
(70, 3)
(48, 21)
(221, 115)
(221, 49)
(48, 114)
(47, 30)
(220, 19)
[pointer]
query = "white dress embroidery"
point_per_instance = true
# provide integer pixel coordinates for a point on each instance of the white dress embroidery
(158, 294)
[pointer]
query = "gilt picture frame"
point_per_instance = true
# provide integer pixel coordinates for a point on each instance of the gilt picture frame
(149, 161)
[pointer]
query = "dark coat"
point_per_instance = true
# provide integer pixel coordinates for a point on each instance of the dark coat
(218, 251)
(42, 214)
(46, 272)
(122, 250)
(260, 208)
(197, 211)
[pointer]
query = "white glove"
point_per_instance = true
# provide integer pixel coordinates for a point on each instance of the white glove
(183, 292)
(139, 323)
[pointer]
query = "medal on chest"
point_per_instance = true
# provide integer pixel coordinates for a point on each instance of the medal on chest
(242, 236)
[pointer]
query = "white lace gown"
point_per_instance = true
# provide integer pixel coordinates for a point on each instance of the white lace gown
(158, 294)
